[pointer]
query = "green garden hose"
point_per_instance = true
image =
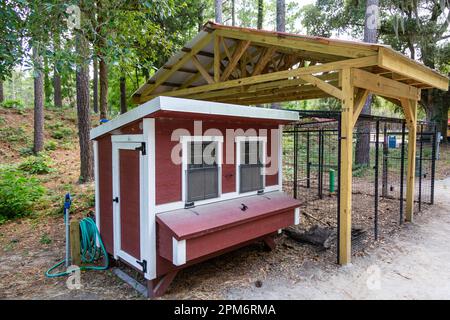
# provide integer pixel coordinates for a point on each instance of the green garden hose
(90, 252)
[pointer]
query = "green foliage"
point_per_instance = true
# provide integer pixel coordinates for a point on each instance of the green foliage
(40, 164)
(12, 104)
(51, 145)
(59, 131)
(13, 135)
(45, 239)
(19, 193)
(26, 151)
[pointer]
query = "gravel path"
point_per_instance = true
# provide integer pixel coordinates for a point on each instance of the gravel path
(415, 264)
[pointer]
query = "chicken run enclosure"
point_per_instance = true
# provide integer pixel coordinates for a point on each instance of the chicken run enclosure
(311, 172)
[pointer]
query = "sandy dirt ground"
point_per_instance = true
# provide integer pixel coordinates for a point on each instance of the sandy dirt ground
(414, 265)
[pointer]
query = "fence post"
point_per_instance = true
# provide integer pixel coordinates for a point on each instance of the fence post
(402, 169)
(295, 160)
(321, 162)
(377, 141)
(433, 162)
(338, 190)
(420, 166)
(308, 163)
(385, 162)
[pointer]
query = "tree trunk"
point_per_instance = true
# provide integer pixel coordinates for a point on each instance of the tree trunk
(95, 84)
(260, 14)
(281, 27)
(57, 92)
(233, 12)
(57, 95)
(47, 83)
(84, 122)
(362, 148)
(218, 10)
(38, 144)
(123, 95)
(2, 97)
(281, 16)
(103, 88)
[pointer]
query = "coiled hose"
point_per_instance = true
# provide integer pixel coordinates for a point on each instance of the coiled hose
(90, 252)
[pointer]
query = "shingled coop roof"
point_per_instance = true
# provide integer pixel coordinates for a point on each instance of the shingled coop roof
(249, 66)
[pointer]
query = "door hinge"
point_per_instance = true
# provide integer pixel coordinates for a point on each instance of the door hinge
(143, 264)
(116, 199)
(142, 148)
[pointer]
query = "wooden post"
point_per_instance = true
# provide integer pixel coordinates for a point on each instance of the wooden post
(345, 214)
(75, 242)
(216, 58)
(411, 105)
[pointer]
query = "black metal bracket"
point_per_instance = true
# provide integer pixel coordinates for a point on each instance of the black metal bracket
(142, 149)
(116, 199)
(188, 205)
(143, 264)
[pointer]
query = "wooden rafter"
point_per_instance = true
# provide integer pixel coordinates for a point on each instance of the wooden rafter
(240, 49)
(383, 86)
(324, 86)
(360, 100)
(264, 59)
(186, 57)
(269, 77)
(202, 70)
(341, 50)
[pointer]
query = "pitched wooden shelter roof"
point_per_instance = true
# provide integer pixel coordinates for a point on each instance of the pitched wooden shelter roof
(249, 66)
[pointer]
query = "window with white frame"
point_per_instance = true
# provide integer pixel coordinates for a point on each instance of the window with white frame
(202, 168)
(251, 162)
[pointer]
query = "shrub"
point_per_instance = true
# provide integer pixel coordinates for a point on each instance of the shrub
(61, 133)
(45, 239)
(39, 164)
(50, 145)
(19, 193)
(26, 151)
(13, 135)
(13, 104)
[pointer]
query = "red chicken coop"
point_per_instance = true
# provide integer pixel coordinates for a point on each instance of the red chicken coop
(178, 181)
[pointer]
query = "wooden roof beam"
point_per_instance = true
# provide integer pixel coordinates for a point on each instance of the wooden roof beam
(269, 77)
(240, 49)
(360, 101)
(345, 50)
(163, 77)
(264, 59)
(399, 64)
(322, 85)
(202, 70)
(383, 86)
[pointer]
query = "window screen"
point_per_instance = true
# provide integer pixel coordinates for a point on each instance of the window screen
(251, 167)
(202, 171)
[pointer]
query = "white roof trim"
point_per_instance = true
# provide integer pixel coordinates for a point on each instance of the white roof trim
(192, 106)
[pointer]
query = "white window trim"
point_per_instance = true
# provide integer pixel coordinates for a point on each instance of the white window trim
(240, 140)
(184, 140)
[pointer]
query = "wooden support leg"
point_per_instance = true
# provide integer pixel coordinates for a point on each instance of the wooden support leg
(157, 287)
(75, 242)
(270, 243)
(411, 118)
(345, 193)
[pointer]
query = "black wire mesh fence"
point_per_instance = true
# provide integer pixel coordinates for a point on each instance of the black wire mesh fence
(311, 173)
